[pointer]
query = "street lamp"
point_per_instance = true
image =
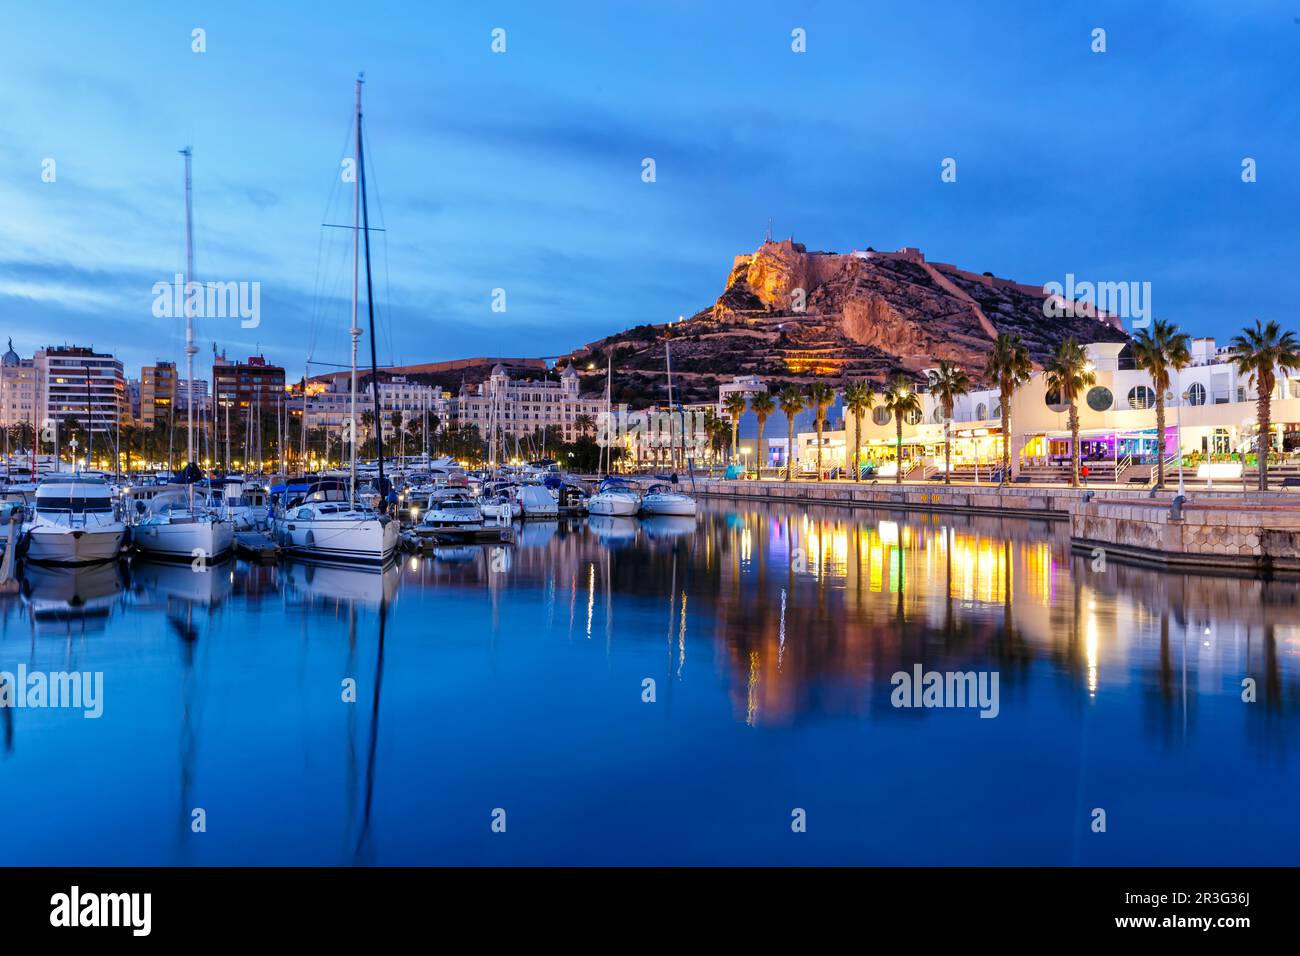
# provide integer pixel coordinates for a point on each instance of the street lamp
(1178, 430)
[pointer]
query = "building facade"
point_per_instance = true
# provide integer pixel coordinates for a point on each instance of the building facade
(237, 385)
(514, 408)
(157, 392)
(18, 391)
(80, 384)
(1209, 412)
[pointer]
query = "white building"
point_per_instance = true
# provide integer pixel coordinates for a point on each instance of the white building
(518, 407)
(746, 385)
(18, 392)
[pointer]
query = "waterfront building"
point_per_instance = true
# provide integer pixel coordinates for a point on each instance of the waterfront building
(18, 391)
(518, 407)
(747, 385)
(80, 384)
(1117, 422)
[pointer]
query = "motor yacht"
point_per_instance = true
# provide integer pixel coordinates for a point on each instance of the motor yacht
(614, 497)
(73, 522)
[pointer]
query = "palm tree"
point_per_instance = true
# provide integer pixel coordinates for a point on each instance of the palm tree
(948, 382)
(858, 399)
(901, 400)
(734, 406)
(1259, 353)
(821, 396)
(1009, 366)
(763, 406)
(1068, 374)
(1159, 350)
(791, 401)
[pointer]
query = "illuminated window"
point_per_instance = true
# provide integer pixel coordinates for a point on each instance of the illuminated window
(1140, 397)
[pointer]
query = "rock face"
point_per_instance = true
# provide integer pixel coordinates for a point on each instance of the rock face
(790, 314)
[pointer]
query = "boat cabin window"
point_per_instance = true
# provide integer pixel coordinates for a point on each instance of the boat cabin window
(75, 505)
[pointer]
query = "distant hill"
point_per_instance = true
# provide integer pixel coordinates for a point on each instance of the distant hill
(864, 315)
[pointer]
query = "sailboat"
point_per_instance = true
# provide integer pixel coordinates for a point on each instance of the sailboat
(324, 522)
(178, 525)
(614, 496)
(664, 498)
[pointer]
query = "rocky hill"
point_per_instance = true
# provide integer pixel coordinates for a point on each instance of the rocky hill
(793, 315)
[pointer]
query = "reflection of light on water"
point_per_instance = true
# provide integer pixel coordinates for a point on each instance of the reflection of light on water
(751, 705)
(746, 544)
(780, 639)
(1090, 646)
(877, 567)
(889, 532)
(681, 639)
(591, 596)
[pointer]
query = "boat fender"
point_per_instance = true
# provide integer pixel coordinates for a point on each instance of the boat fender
(310, 540)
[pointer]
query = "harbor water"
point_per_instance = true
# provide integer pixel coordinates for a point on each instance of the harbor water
(729, 689)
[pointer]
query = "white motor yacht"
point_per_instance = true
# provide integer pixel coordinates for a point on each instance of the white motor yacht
(499, 502)
(73, 522)
(614, 497)
(453, 511)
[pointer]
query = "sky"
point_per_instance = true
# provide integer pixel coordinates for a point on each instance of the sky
(523, 170)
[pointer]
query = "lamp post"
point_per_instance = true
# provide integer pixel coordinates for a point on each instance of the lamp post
(1178, 430)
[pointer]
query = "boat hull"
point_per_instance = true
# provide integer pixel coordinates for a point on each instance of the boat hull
(369, 542)
(71, 546)
(682, 507)
(185, 542)
(615, 505)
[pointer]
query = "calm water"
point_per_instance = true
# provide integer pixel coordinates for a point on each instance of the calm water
(771, 635)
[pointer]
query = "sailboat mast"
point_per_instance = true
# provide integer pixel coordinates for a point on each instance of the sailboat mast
(370, 309)
(668, 361)
(355, 331)
(607, 452)
(190, 347)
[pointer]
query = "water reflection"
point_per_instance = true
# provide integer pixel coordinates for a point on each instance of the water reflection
(486, 676)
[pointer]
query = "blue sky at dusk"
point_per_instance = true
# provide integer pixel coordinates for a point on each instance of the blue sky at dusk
(523, 170)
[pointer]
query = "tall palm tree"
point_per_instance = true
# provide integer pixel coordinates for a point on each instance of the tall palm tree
(1260, 353)
(1009, 366)
(735, 406)
(859, 397)
(1068, 374)
(1160, 350)
(791, 401)
(901, 400)
(821, 396)
(948, 383)
(763, 406)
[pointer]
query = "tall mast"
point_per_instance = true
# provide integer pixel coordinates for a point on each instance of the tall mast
(190, 347)
(355, 331)
(370, 309)
(668, 360)
(607, 452)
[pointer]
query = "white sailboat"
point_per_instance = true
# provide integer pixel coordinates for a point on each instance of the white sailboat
(179, 524)
(326, 523)
(665, 498)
